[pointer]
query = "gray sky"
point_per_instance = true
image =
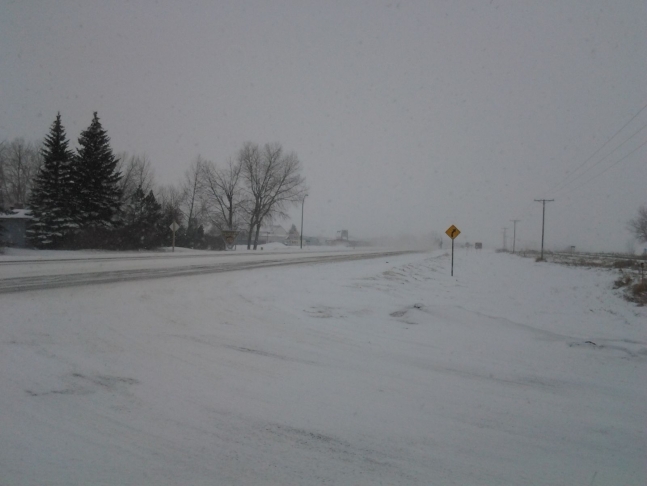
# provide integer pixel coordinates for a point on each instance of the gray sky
(407, 117)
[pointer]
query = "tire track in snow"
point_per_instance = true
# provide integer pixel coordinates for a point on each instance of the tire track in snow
(42, 282)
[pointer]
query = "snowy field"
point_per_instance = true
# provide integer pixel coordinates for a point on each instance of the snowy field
(369, 372)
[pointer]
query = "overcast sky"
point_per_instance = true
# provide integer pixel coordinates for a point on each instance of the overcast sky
(407, 116)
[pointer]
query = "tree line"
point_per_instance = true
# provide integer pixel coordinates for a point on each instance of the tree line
(92, 198)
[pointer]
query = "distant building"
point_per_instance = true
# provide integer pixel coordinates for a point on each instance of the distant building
(15, 225)
(311, 241)
(294, 238)
(274, 233)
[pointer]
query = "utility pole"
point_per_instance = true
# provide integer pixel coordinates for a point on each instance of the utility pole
(302, 204)
(543, 219)
(514, 233)
(504, 238)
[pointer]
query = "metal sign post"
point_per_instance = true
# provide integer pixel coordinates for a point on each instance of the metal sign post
(174, 227)
(230, 239)
(453, 232)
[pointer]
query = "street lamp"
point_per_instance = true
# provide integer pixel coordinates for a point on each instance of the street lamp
(303, 202)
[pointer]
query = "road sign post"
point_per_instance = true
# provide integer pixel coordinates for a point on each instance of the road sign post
(230, 239)
(174, 227)
(453, 232)
(452, 257)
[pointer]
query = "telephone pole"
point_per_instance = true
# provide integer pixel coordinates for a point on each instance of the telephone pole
(504, 238)
(543, 218)
(514, 233)
(301, 236)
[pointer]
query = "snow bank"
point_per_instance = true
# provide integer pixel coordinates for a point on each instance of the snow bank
(386, 371)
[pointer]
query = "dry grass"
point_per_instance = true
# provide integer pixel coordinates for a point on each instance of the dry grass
(625, 280)
(638, 293)
(625, 264)
(633, 292)
(633, 286)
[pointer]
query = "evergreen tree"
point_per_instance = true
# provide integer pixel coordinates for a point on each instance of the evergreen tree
(3, 182)
(96, 179)
(2, 211)
(52, 195)
(143, 222)
(193, 238)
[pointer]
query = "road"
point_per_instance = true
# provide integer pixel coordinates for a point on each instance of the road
(37, 274)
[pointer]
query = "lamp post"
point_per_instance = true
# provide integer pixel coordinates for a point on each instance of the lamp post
(303, 202)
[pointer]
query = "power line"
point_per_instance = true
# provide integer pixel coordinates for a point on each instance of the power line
(561, 184)
(569, 206)
(608, 140)
(566, 181)
(612, 165)
(564, 209)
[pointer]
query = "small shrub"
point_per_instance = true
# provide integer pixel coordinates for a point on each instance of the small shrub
(623, 264)
(623, 281)
(639, 292)
(589, 263)
(640, 288)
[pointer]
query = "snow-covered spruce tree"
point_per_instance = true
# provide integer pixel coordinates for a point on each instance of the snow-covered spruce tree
(142, 222)
(3, 182)
(2, 211)
(52, 195)
(96, 179)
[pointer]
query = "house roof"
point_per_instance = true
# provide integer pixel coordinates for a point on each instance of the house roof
(274, 229)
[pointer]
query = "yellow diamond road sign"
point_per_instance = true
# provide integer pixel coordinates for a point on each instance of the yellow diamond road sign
(453, 232)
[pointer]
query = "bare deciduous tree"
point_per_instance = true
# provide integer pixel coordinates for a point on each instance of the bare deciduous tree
(638, 225)
(136, 171)
(19, 164)
(170, 197)
(193, 207)
(274, 182)
(3, 182)
(223, 193)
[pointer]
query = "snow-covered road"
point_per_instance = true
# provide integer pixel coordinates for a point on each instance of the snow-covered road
(21, 274)
(382, 371)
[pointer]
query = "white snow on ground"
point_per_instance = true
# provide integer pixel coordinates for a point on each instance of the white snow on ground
(367, 372)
